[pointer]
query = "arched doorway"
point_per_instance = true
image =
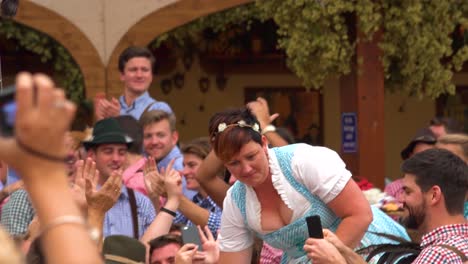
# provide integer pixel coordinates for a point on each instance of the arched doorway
(70, 37)
(157, 23)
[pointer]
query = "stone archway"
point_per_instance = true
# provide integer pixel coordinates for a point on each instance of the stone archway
(158, 22)
(69, 36)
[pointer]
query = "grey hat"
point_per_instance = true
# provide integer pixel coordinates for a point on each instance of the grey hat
(118, 249)
(424, 135)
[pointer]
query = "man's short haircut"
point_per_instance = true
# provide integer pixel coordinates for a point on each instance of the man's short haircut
(451, 125)
(176, 227)
(135, 52)
(442, 168)
(155, 116)
(456, 139)
(133, 129)
(164, 240)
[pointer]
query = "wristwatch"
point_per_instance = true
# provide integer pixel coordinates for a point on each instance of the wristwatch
(269, 128)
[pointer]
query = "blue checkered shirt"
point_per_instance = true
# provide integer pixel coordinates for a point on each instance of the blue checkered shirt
(139, 105)
(214, 220)
(118, 220)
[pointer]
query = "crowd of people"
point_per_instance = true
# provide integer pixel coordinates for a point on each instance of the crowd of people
(127, 191)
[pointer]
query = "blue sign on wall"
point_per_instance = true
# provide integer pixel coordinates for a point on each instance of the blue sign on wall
(349, 132)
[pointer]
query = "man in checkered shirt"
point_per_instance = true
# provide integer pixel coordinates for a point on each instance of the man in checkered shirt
(435, 186)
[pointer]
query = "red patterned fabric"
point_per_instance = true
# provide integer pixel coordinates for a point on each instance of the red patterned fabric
(452, 235)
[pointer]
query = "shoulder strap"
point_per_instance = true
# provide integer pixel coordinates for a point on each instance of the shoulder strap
(456, 251)
(147, 108)
(133, 208)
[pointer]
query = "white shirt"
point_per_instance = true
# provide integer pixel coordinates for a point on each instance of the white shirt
(319, 169)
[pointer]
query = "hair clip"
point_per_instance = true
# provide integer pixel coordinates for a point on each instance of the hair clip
(241, 123)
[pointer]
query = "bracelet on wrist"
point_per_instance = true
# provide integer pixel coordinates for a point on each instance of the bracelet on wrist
(94, 233)
(163, 209)
(39, 154)
(269, 128)
(63, 220)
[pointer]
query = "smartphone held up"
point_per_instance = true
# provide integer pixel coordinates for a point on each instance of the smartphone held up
(7, 111)
(190, 235)
(314, 226)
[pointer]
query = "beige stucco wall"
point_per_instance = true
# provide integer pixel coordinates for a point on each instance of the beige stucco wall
(403, 116)
(185, 102)
(104, 22)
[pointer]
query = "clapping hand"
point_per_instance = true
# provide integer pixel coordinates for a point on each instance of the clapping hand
(154, 180)
(86, 170)
(100, 200)
(104, 199)
(172, 182)
(107, 108)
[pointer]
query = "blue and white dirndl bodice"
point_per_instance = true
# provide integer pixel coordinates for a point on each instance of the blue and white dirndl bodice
(291, 238)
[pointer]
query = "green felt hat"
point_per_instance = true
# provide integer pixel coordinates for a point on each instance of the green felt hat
(107, 131)
(118, 249)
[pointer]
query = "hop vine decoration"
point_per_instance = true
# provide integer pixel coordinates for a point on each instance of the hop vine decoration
(67, 71)
(419, 55)
(191, 34)
(314, 35)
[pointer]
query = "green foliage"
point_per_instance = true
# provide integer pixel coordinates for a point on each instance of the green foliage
(417, 45)
(67, 71)
(189, 36)
(319, 39)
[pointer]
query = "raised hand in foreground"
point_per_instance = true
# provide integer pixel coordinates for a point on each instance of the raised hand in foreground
(38, 153)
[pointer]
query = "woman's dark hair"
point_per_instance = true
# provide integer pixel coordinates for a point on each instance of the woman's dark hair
(228, 142)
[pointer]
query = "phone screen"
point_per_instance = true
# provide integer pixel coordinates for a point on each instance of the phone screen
(7, 112)
(314, 226)
(190, 235)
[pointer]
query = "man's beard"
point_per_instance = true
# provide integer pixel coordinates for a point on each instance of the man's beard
(415, 217)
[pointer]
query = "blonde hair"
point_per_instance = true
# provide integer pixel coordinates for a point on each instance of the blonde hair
(456, 139)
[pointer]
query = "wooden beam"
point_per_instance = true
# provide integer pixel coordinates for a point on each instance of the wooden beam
(362, 92)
